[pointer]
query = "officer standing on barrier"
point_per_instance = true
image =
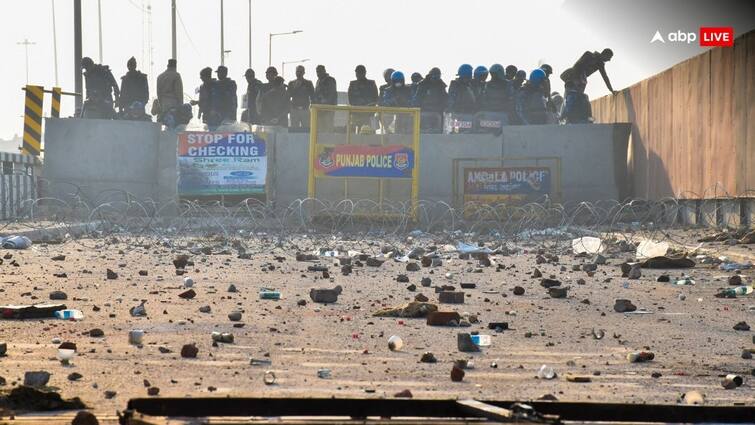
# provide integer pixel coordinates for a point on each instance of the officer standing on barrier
(170, 92)
(497, 93)
(362, 92)
(399, 95)
(326, 93)
(461, 97)
(274, 104)
(577, 108)
(518, 80)
(226, 89)
(416, 80)
(253, 87)
(387, 78)
(134, 87)
(479, 78)
(530, 105)
(511, 71)
(300, 92)
(208, 98)
(101, 87)
(431, 95)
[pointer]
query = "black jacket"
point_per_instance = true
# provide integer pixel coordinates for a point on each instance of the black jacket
(431, 95)
(363, 92)
(134, 88)
(300, 93)
(325, 91)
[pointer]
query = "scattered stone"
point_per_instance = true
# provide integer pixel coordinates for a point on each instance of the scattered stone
(139, 310)
(742, 326)
(537, 273)
(428, 357)
(664, 278)
(404, 394)
(234, 316)
(58, 258)
(635, 272)
(58, 295)
(557, 292)
(153, 391)
(189, 351)
(109, 394)
(74, 376)
(640, 356)
(143, 273)
(413, 309)
(205, 309)
(421, 298)
(301, 303)
(325, 296)
(518, 290)
(111, 275)
(465, 344)
(457, 374)
(412, 267)
(735, 280)
(96, 333)
(373, 262)
(3, 349)
(36, 379)
(426, 282)
(187, 295)
(549, 283)
(623, 306)
(84, 417)
(402, 278)
(232, 288)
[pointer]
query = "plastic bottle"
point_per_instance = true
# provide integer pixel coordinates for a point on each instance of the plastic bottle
(69, 314)
(546, 372)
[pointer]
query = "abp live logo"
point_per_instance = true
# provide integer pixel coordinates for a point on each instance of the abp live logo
(717, 36)
(708, 37)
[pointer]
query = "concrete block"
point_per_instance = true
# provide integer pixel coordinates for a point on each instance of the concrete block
(731, 212)
(688, 212)
(709, 211)
(451, 297)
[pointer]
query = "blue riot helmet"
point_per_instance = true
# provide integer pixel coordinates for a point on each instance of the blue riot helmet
(397, 78)
(465, 71)
(480, 73)
(537, 76)
(497, 71)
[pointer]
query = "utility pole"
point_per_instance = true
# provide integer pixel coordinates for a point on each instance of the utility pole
(222, 30)
(250, 34)
(55, 42)
(26, 43)
(77, 54)
(173, 27)
(99, 17)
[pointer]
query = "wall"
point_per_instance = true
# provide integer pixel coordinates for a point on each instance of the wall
(103, 159)
(693, 126)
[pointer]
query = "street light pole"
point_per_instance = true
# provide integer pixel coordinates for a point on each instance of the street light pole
(78, 83)
(55, 42)
(26, 43)
(173, 27)
(222, 40)
(270, 44)
(284, 63)
(99, 15)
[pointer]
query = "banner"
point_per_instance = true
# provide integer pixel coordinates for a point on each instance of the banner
(503, 184)
(215, 163)
(364, 161)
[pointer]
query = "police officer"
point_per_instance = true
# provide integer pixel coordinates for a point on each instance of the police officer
(226, 89)
(511, 71)
(300, 92)
(497, 94)
(530, 105)
(577, 108)
(387, 78)
(431, 95)
(134, 87)
(399, 95)
(275, 104)
(416, 80)
(518, 80)
(208, 98)
(325, 94)
(101, 87)
(362, 92)
(253, 88)
(461, 97)
(479, 78)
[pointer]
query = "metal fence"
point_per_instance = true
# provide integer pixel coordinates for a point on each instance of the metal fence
(18, 183)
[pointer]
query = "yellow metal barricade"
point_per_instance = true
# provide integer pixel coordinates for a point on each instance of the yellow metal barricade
(366, 154)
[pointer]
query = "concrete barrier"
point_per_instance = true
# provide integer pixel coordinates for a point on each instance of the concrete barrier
(99, 156)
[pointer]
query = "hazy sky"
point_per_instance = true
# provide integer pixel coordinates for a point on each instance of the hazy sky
(410, 35)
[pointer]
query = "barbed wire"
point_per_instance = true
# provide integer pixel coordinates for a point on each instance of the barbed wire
(251, 225)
